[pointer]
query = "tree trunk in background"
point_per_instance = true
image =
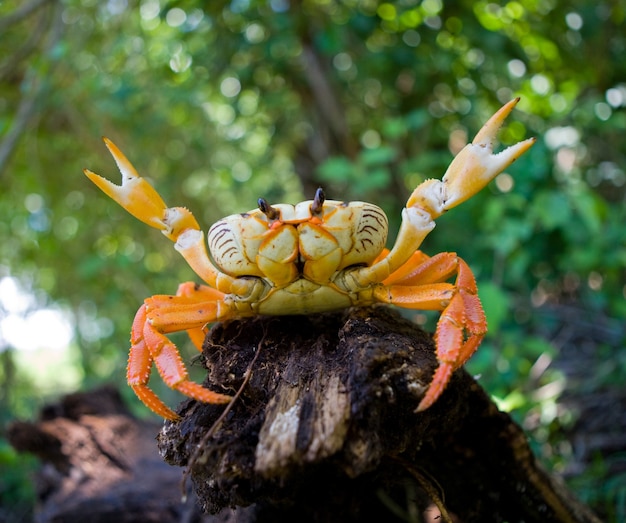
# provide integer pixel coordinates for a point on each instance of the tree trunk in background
(101, 465)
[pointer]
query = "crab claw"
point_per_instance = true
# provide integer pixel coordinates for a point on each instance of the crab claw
(476, 165)
(471, 170)
(140, 199)
(135, 194)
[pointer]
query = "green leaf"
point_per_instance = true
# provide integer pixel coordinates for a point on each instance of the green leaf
(377, 156)
(336, 168)
(591, 209)
(374, 179)
(394, 128)
(552, 209)
(417, 119)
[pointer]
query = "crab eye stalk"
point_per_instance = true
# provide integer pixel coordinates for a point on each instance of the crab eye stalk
(318, 201)
(268, 210)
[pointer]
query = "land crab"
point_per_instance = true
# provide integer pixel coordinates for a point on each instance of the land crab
(319, 255)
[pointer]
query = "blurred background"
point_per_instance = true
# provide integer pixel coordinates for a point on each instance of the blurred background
(220, 103)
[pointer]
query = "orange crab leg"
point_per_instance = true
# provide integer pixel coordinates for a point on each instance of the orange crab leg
(193, 306)
(432, 296)
(171, 368)
(190, 288)
(139, 368)
(149, 345)
(462, 324)
(197, 337)
(421, 269)
(460, 330)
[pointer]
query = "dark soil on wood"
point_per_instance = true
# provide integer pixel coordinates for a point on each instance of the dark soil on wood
(325, 429)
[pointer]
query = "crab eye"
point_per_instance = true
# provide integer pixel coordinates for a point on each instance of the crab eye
(318, 201)
(268, 210)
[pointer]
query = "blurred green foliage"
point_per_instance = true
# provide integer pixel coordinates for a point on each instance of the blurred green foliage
(218, 103)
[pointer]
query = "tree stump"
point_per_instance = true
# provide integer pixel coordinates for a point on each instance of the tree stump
(324, 430)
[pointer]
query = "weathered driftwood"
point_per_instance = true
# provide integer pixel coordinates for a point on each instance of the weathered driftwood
(100, 464)
(325, 430)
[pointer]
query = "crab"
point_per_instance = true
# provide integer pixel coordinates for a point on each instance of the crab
(319, 255)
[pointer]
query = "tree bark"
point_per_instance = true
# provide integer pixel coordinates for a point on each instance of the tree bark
(100, 464)
(324, 430)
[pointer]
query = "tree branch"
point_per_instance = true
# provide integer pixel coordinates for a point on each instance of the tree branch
(20, 13)
(36, 84)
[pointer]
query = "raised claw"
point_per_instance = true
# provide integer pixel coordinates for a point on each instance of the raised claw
(476, 165)
(135, 194)
(471, 170)
(141, 200)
